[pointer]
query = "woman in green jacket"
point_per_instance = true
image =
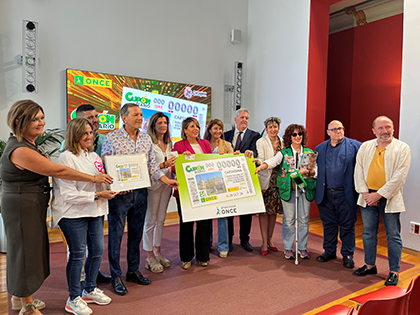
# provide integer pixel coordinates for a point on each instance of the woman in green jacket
(295, 156)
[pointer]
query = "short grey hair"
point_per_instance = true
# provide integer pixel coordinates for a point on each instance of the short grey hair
(126, 107)
(271, 120)
(241, 110)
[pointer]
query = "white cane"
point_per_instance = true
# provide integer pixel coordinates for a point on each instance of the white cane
(296, 224)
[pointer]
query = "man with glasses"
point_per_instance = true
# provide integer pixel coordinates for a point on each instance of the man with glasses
(382, 166)
(335, 194)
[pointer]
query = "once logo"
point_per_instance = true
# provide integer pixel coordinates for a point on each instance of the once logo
(81, 80)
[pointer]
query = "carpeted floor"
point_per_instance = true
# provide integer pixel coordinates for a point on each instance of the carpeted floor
(243, 283)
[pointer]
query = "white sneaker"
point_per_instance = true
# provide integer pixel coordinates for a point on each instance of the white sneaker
(96, 296)
(78, 307)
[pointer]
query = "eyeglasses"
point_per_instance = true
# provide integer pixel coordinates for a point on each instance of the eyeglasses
(337, 129)
(297, 134)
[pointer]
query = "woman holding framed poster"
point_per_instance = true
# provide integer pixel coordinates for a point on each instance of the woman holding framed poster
(78, 208)
(158, 193)
(192, 144)
(214, 134)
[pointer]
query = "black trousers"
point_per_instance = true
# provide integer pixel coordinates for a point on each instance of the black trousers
(245, 222)
(186, 238)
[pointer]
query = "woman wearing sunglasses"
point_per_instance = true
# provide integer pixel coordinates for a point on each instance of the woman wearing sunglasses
(291, 158)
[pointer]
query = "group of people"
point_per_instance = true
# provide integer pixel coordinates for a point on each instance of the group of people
(347, 174)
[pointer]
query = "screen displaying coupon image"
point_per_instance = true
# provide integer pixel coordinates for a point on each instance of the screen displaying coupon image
(109, 92)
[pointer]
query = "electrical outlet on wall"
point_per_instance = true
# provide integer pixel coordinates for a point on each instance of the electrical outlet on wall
(414, 228)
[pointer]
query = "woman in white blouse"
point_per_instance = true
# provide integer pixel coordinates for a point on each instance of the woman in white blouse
(268, 147)
(158, 194)
(78, 208)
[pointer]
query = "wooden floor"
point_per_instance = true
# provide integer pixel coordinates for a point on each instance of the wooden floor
(315, 226)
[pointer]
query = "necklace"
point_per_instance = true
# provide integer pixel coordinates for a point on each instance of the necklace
(380, 150)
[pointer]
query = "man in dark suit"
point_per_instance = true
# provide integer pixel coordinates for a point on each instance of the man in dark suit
(335, 194)
(242, 139)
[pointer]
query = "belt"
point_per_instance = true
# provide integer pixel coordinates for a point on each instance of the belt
(336, 189)
(19, 189)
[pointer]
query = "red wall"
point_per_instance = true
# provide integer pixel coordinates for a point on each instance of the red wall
(364, 76)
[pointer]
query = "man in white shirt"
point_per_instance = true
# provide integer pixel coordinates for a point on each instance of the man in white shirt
(381, 169)
(242, 139)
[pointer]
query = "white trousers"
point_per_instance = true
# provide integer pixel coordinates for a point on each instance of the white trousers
(157, 205)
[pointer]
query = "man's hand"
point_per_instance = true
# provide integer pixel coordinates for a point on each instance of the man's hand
(372, 198)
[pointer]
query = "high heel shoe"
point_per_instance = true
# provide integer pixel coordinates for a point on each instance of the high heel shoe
(273, 248)
(163, 261)
(186, 265)
(264, 252)
(154, 266)
(203, 263)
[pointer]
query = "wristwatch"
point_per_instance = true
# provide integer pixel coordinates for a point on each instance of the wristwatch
(96, 197)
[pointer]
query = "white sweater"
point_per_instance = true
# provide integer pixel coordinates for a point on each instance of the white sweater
(265, 152)
(74, 199)
(397, 163)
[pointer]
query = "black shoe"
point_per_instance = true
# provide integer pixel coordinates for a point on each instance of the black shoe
(231, 247)
(103, 278)
(348, 262)
(364, 271)
(246, 246)
(392, 279)
(137, 277)
(324, 257)
(119, 286)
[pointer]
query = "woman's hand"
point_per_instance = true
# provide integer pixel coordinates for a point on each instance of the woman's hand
(257, 162)
(170, 162)
(249, 154)
(263, 166)
(237, 152)
(107, 194)
(103, 178)
(303, 171)
(187, 153)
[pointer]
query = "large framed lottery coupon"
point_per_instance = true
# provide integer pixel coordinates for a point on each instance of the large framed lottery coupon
(128, 171)
(214, 186)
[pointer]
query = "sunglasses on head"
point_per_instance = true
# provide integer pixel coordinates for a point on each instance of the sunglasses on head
(296, 134)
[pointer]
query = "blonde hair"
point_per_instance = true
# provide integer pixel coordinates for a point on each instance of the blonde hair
(21, 115)
(186, 122)
(75, 131)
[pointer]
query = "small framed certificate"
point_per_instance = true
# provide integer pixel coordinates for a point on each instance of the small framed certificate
(128, 171)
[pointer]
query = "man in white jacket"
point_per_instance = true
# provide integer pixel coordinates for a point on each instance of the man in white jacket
(381, 169)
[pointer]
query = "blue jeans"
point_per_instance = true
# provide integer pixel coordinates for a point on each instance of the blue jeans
(80, 232)
(222, 235)
(131, 206)
(370, 216)
(336, 212)
(288, 230)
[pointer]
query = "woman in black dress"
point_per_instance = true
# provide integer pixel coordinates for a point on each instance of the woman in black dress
(26, 193)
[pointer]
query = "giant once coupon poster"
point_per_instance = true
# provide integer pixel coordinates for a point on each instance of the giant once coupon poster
(214, 186)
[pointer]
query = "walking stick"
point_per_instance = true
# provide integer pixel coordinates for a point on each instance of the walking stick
(296, 225)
